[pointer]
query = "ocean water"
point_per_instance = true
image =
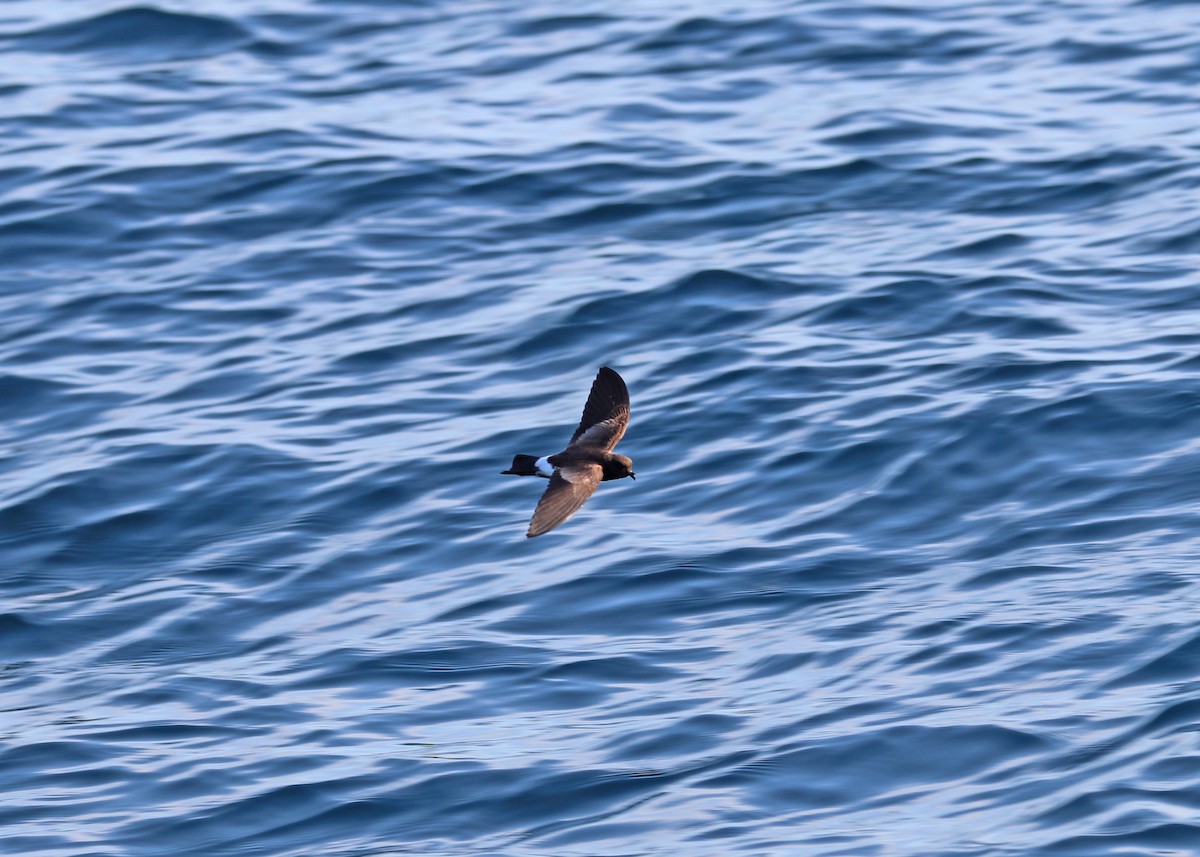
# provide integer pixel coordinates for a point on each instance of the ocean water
(907, 296)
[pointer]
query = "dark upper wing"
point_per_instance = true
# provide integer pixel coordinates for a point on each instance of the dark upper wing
(606, 414)
(569, 489)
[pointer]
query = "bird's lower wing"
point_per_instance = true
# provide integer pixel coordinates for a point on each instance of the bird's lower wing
(569, 489)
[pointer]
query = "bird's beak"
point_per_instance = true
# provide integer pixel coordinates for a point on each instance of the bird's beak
(634, 478)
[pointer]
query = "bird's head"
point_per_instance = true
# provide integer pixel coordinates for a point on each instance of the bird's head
(618, 467)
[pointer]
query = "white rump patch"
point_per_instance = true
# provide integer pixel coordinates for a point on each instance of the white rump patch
(544, 467)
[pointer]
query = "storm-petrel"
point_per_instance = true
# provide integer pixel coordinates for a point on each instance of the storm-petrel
(587, 461)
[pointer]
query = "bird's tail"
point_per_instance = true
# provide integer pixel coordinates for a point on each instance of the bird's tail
(523, 465)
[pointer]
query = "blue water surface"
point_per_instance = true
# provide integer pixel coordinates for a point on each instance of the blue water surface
(907, 297)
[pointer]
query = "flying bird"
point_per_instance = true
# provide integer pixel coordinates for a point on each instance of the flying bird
(588, 460)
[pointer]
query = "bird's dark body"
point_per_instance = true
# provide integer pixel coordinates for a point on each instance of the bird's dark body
(588, 459)
(614, 466)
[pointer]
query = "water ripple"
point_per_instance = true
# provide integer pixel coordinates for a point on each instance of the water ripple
(906, 301)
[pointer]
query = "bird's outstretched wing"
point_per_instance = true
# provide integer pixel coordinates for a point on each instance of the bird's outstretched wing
(569, 489)
(606, 414)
